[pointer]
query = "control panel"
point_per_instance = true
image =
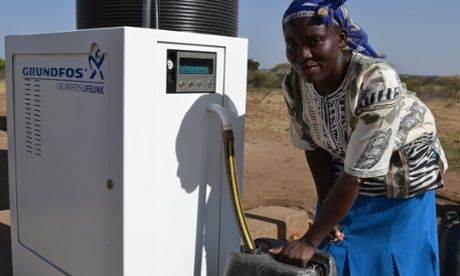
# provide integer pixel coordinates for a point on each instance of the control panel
(190, 72)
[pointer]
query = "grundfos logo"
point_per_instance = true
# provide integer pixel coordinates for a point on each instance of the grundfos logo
(70, 78)
(54, 72)
(95, 63)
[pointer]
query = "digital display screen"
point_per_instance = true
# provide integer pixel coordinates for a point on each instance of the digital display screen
(193, 70)
(195, 66)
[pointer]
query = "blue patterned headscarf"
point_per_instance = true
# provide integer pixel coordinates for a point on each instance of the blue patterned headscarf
(332, 12)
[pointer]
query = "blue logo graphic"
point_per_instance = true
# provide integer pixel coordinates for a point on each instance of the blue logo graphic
(95, 63)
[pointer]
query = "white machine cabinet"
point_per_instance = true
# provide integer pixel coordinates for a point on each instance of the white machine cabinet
(116, 166)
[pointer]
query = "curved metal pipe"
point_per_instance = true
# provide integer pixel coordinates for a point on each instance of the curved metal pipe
(224, 115)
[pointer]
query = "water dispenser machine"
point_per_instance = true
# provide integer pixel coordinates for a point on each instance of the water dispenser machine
(116, 166)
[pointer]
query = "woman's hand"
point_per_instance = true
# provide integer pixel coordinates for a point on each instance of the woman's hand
(297, 253)
(336, 234)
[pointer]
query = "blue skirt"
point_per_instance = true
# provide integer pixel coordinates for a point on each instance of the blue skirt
(387, 237)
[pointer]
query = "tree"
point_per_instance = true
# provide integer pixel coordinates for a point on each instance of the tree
(253, 65)
(454, 83)
(2, 69)
(280, 70)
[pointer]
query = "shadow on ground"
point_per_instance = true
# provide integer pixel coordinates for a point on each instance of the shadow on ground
(5, 250)
(5, 235)
(4, 202)
(280, 225)
(3, 123)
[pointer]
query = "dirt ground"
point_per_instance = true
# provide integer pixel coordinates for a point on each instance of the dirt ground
(276, 172)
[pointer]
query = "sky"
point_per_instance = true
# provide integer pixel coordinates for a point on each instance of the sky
(420, 37)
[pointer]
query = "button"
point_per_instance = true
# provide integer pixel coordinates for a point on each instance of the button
(209, 84)
(199, 83)
(182, 84)
(170, 64)
(190, 84)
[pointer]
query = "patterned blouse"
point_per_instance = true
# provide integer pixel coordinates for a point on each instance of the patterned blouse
(372, 127)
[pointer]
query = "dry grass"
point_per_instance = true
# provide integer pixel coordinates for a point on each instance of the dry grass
(2, 98)
(266, 111)
(447, 114)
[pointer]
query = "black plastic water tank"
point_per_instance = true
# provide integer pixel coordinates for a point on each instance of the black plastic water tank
(218, 17)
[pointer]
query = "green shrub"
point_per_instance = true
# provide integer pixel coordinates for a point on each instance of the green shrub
(2, 69)
(433, 87)
(253, 65)
(263, 79)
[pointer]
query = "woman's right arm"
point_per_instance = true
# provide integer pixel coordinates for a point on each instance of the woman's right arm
(321, 167)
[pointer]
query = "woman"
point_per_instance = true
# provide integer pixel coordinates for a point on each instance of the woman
(371, 145)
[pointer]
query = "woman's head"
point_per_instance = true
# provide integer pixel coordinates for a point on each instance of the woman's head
(314, 49)
(317, 32)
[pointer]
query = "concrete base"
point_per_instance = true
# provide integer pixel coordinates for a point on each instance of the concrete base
(5, 217)
(277, 222)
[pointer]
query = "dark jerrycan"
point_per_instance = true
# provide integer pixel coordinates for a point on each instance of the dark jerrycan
(449, 243)
(263, 264)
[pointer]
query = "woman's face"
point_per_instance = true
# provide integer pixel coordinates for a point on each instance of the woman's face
(313, 49)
